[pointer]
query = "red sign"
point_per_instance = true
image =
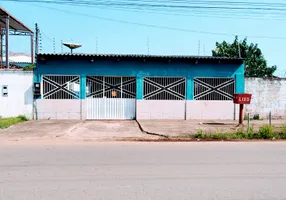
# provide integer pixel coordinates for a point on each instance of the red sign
(242, 98)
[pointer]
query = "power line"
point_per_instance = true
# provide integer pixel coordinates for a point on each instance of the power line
(238, 5)
(215, 13)
(183, 6)
(159, 27)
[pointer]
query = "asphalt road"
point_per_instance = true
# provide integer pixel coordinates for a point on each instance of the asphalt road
(142, 171)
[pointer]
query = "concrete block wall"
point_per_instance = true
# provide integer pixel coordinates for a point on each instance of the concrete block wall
(181, 110)
(160, 109)
(59, 109)
(267, 95)
(211, 110)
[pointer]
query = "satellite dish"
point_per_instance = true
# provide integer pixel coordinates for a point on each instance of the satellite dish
(71, 46)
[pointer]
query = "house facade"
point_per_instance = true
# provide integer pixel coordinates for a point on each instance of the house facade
(92, 86)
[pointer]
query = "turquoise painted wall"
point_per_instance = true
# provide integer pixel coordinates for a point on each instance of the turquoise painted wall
(141, 69)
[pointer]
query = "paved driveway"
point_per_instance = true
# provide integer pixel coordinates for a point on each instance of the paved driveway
(73, 129)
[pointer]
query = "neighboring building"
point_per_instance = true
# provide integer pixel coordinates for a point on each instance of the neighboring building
(16, 93)
(18, 60)
(87, 86)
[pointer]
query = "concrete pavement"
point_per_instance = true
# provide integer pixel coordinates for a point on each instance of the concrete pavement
(203, 171)
(74, 129)
(110, 130)
(180, 127)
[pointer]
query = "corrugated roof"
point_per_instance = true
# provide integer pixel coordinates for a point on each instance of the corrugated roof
(177, 57)
(14, 23)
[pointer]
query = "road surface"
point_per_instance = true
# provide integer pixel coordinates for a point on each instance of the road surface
(142, 171)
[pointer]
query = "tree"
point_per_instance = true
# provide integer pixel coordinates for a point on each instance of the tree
(255, 63)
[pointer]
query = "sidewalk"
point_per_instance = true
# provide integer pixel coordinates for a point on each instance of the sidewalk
(179, 127)
(117, 130)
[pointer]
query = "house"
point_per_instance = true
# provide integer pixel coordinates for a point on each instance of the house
(99, 86)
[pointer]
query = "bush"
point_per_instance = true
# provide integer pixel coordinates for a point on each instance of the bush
(29, 67)
(256, 117)
(266, 132)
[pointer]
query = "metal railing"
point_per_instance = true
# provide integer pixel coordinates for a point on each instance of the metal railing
(60, 87)
(164, 88)
(221, 89)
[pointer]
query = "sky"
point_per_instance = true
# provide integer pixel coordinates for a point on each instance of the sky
(90, 28)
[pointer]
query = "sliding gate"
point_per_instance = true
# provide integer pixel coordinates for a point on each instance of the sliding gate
(111, 97)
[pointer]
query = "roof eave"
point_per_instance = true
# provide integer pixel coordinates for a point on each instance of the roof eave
(25, 28)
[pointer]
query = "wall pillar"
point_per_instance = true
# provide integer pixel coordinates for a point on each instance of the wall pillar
(190, 88)
(239, 80)
(139, 88)
(83, 86)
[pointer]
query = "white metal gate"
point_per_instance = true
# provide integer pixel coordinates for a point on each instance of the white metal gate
(111, 97)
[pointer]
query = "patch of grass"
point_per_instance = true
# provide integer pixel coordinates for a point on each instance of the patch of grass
(265, 133)
(7, 122)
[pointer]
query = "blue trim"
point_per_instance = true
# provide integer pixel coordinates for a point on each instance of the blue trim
(139, 87)
(82, 86)
(190, 88)
(141, 69)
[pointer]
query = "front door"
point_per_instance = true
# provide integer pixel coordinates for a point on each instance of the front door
(111, 97)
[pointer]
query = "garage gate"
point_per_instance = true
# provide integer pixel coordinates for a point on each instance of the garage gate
(111, 97)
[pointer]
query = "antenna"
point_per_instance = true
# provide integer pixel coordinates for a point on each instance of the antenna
(204, 49)
(239, 53)
(199, 47)
(54, 45)
(148, 47)
(72, 46)
(96, 45)
(62, 47)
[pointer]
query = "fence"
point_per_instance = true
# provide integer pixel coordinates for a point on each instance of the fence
(268, 95)
(16, 96)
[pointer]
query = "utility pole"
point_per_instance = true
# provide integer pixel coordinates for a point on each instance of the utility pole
(37, 39)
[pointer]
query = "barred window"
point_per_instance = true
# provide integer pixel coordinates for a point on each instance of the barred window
(164, 88)
(61, 87)
(221, 89)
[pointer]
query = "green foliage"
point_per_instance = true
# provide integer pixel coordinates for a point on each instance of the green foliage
(255, 117)
(7, 122)
(265, 133)
(29, 67)
(255, 63)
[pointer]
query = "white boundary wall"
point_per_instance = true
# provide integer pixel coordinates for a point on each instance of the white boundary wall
(20, 93)
(267, 95)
